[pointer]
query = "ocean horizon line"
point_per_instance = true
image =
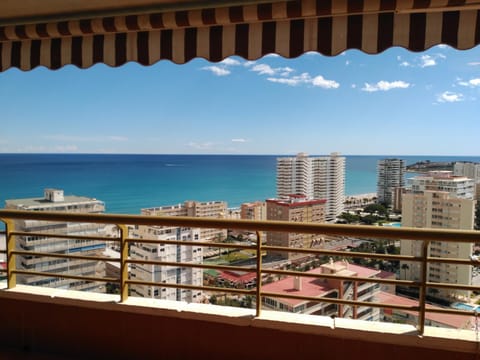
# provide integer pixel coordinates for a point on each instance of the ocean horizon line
(231, 154)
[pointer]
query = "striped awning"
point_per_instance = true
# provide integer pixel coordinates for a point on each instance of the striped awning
(287, 28)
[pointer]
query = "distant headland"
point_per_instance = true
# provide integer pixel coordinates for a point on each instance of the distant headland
(427, 165)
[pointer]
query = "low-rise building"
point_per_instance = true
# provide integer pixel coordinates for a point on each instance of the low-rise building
(451, 321)
(324, 289)
(55, 200)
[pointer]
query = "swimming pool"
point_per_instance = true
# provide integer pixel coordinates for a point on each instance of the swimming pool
(393, 224)
(462, 306)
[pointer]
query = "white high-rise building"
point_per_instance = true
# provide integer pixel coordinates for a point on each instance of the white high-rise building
(390, 175)
(315, 178)
(470, 170)
(439, 200)
(55, 200)
(165, 252)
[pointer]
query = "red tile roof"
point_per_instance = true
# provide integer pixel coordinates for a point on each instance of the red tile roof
(454, 321)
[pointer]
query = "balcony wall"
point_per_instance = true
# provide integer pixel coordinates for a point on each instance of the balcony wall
(86, 325)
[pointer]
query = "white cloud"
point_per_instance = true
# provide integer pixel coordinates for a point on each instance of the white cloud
(75, 138)
(286, 71)
(385, 86)
(217, 70)
(442, 46)
(271, 55)
(239, 140)
(422, 61)
(470, 83)
(450, 97)
(249, 63)
(474, 63)
(320, 81)
(427, 61)
(305, 78)
(230, 62)
(354, 86)
(263, 69)
(347, 62)
(201, 146)
(291, 82)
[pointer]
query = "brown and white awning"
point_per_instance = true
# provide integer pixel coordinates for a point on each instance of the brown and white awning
(288, 28)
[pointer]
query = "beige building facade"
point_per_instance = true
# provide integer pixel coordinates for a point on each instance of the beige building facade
(296, 209)
(440, 201)
(254, 211)
(208, 209)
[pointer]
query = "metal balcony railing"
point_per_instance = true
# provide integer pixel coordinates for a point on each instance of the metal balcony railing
(123, 221)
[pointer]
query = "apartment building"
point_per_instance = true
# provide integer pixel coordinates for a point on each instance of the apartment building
(253, 211)
(297, 209)
(314, 178)
(165, 252)
(390, 176)
(439, 200)
(470, 170)
(209, 209)
(55, 200)
(327, 288)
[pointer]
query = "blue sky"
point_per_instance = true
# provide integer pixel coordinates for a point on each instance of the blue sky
(394, 103)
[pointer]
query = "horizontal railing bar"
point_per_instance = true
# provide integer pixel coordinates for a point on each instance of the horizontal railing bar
(342, 253)
(63, 236)
(191, 243)
(66, 276)
(191, 287)
(276, 226)
(190, 265)
(65, 256)
(339, 277)
(341, 301)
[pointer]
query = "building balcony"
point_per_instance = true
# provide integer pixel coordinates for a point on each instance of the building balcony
(61, 323)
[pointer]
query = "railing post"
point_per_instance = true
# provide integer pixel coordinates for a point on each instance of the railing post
(123, 262)
(423, 288)
(259, 275)
(11, 260)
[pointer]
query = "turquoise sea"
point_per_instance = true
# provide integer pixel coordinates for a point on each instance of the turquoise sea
(128, 183)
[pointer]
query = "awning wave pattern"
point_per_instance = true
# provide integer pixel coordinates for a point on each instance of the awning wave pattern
(287, 28)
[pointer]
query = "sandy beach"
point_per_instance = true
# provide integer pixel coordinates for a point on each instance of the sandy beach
(358, 200)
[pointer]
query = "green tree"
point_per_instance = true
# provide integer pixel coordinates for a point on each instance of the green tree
(376, 208)
(349, 218)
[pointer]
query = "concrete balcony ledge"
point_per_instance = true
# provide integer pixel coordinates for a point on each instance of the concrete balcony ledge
(78, 324)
